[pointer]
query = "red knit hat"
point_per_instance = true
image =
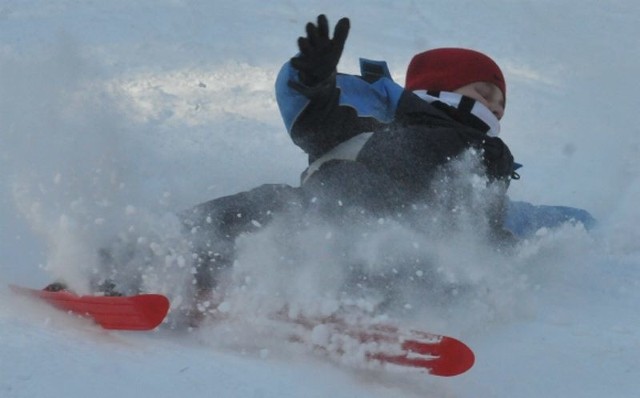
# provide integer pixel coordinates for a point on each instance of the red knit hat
(448, 69)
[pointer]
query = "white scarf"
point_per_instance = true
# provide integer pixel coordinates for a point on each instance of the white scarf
(453, 99)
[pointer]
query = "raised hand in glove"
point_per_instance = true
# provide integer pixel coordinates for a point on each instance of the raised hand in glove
(319, 55)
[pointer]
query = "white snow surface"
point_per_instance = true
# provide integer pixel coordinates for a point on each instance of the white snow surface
(116, 114)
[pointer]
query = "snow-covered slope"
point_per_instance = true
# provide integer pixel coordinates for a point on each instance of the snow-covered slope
(115, 114)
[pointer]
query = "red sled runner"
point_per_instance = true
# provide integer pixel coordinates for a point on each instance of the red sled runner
(139, 312)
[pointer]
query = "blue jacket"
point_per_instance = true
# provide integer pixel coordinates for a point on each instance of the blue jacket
(319, 119)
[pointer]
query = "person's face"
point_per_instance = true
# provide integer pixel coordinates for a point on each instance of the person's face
(487, 94)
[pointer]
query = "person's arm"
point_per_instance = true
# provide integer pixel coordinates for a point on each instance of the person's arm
(322, 108)
(525, 219)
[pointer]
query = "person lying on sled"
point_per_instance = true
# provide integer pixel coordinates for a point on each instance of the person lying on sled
(376, 145)
(374, 149)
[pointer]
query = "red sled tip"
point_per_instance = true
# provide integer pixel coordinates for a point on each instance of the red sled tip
(445, 357)
(458, 359)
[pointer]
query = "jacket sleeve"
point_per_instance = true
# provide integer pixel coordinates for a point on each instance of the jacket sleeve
(524, 219)
(319, 118)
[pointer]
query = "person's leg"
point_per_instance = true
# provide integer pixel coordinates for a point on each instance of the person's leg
(212, 228)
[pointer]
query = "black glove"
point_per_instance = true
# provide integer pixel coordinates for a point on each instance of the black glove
(319, 55)
(497, 158)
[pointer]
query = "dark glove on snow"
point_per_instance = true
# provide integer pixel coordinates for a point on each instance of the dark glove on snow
(319, 55)
(497, 158)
